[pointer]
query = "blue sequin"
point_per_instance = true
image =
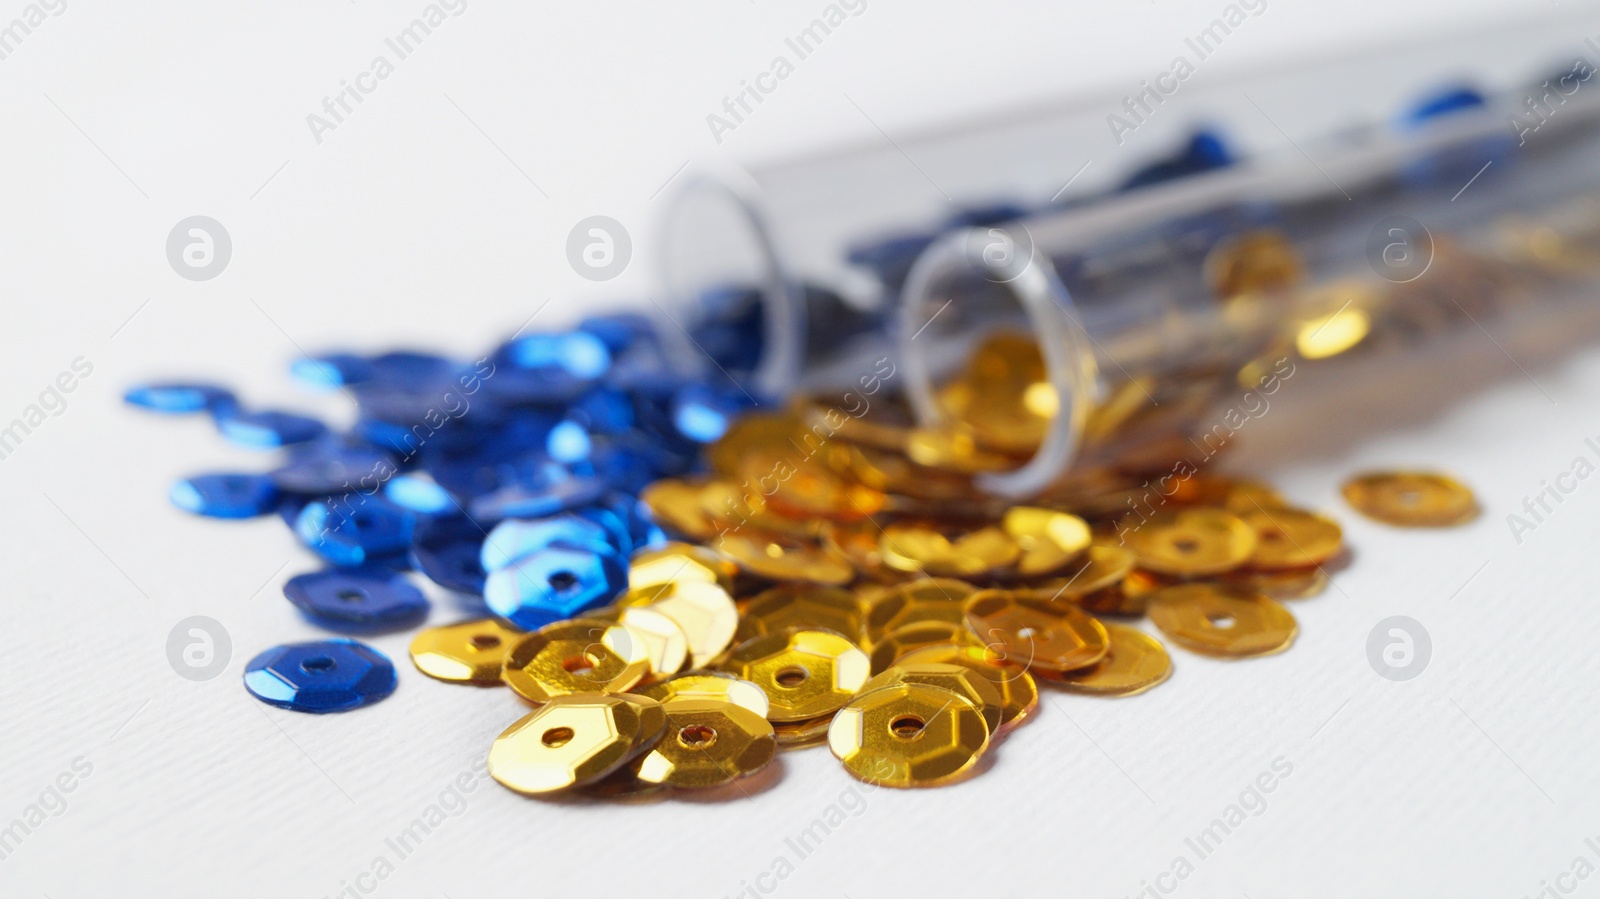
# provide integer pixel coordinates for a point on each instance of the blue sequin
(537, 501)
(331, 466)
(446, 551)
(323, 676)
(419, 493)
(225, 495)
(1205, 151)
(568, 442)
(332, 371)
(182, 399)
(553, 584)
(703, 413)
(355, 530)
(357, 598)
(512, 540)
(270, 430)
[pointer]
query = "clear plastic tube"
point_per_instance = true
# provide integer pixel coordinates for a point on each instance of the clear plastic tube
(1391, 236)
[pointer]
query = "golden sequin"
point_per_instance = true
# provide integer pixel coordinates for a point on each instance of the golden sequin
(676, 562)
(663, 639)
(1019, 696)
(800, 606)
(709, 685)
(1220, 620)
(574, 740)
(1048, 539)
(1035, 630)
(471, 652)
(1190, 542)
(889, 649)
(577, 656)
(1291, 538)
(780, 558)
(804, 673)
(708, 743)
(1134, 663)
(704, 612)
(956, 678)
(908, 735)
(1411, 499)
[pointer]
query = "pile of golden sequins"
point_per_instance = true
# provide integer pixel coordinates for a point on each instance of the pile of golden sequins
(841, 581)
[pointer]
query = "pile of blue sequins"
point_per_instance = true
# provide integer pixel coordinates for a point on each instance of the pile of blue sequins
(513, 480)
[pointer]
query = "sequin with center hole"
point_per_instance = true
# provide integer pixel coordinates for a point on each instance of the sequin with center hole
(574, 740)
(805, 674)
(469, 652)
(925, 599)
(578, 656)
(1411, 498)
(322, 676)
(1019, 695)
(1035, 630)
(708, 743)
(1219, 620)
(1190, 542)
(227, 495)
(369, 597)
(955, 678)
(897, 643)
(709, 685)
(554, 583)
(908, 735)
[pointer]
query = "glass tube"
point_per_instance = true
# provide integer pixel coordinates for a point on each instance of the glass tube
(1149, 307)
(822, 244)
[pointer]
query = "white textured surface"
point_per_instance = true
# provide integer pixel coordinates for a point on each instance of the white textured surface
(407, 224)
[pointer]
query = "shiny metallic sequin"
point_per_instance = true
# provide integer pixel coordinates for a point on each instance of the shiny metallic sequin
(704, 612)
(1019, 696)
(805, 674)
(578, 656)
(908, 735)
(956, 678)
(1035, 630)
(708, 743)
(1221, 620)
(1291, 538)
(321, 676)
(471, 652)
(1135, 662)
(709, 685)
(1190, 542)
(574, 740)
(1411, 499)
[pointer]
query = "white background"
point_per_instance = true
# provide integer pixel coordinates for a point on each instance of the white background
(437, 215)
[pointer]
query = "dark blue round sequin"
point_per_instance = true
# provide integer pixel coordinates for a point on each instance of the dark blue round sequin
(225, 495)
(333, 466)
(323, 676)
(554, 584)
(332, 371)
(411, 370)
(270, 430)
(357, 598)
(447, 552)
(703, 413)
(512, 539)
(354, 530)
(182, 399)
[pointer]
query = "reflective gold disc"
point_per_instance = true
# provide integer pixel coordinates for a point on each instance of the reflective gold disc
(1035, 631)
(1290, 583)
(918, 548)
(662, 638)
(1100, 567)
(1048, 539)
(925, 599)
(953, 448)
(955, 678)
(908, 735)
(804, 673)
(709, 685)
(1411, 498)
(785, 559)
(574, 740)
(708, 743)
(803, 607)
(1291, 538)
(1190, 542)
(704, 612)
(1118, 599)
(1019, 696)
(471, 652)
(577, 656)
(799, 734)
(1134, 663)
(1219, 620)
(680, 562)
(892, 646)
(675, 505)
